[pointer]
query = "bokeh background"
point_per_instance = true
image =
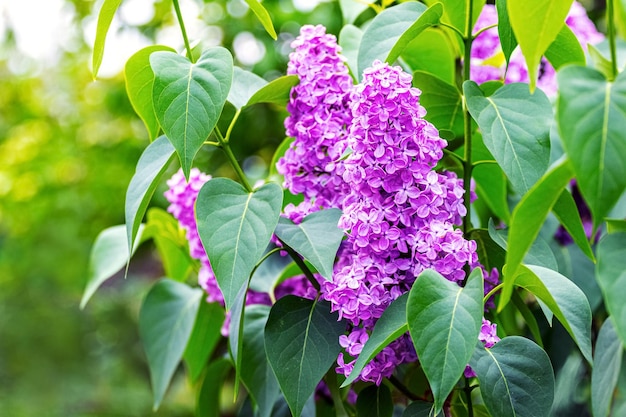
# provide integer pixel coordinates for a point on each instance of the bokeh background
(68, 148)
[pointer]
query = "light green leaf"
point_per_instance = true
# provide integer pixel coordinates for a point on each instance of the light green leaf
(235, 228)
(591, 118)
(611, 275)
(204, 337)
(615, 225)
(516, 378)
(536, 24)
(208, 402)
(263, 16)
(171, 242)
(349, 40)
(316, 238)
(565, 49)
(139, 83)
(166, 321)
(442, 101)
(245, 85)
(600, 62)
(390, 326)
(150, 167)
(432, 51)
(566, 211)
(105, 17)
(188, 98)
(442, 315)
(374, 401)
(508, 42)
(527, 219)
(568, 303)
(302, 342)
(607, 362)
(516, 129)
(109, 254)
(456, 11)
(351, 9)
(256, 372)
(393, 29)
(277, 91)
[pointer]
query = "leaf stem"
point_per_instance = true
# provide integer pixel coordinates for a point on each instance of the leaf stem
(454, 29)
(179, 16)
(263, 259)
(468, 395)
(484, 162)
(223, 143)
(478, 32)
(305, 269)
(611, 35)
(402, 388)
(492, 292)
(333, 387)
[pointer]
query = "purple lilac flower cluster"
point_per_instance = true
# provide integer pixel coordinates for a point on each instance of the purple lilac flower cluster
(398, 213)
(182, 196)
(488, 63)
(318, 109)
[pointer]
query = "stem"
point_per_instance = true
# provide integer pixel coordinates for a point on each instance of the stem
(402, 388)
(484, 162)
(179, 16)
(331, 382)
(210, 142)
(492, 292)
(478, 32)
(468, 396)
(454, 29)
(611, 34)
(263, 259)
(232, 124)
(305, 269)
(231, 158)
(467, 128)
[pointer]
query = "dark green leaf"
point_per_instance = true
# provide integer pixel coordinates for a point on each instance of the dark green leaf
(527, 219)
(245, 85)
(235, 332)
(208, 403)
(151, 166)
(505, 31)
(276, 92)
(105, 17)
(611, 275)
(165, 324)
(419, 409)
(516, 378)
(204, 337)
(607, 362)
(235, 228)
(491, 183)
(263, 16)
(538, 254)
(302, 342)
(188, 98)
(440, 313)
(490, 254)
(391, 325)
(566, 211)
(442, 101)
(392, 30)
(591, 121)
(171, 242)
(374, 401)
(256, 372)
(316, 238)
(516, 129)
(109, 254)
(565, 49)
(536, 25)
(568, 303)
(139, 82)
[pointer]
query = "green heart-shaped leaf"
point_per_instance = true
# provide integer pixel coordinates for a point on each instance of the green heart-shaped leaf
(516, 378)
(442, 315)
(235, 227)
(189, 98)
(316, 238)
(607, 362)
(516, 129)
(245, 84)
(166, 321)
(105, 17)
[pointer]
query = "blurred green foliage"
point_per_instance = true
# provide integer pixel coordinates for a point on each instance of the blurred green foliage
(68, 148)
